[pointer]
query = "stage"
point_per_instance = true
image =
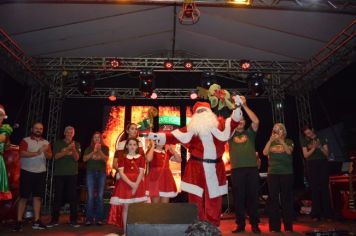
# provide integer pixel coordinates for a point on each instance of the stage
(302, 225)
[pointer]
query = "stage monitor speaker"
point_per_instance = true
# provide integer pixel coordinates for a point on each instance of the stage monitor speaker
(160, 219)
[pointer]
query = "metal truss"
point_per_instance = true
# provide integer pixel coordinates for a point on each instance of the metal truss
(336, 6)
(15, 62)
(276, 97)
(103, 64)
(54, 124)
(35, 106)
(135, 93)
(303, 110)
(336, 55)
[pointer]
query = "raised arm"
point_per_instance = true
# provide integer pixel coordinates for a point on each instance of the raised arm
(254, 119)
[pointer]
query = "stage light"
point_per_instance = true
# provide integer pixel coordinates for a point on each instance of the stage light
(189, 13)
(193, 95)
(256, 84)
(245, 64)
(154, 95)
(279, 105)
(168, 64)
(147, 82)
(208, 78)
(112, 96)
(86, 82)
(115, 63)
(188, 65)
(241, 2)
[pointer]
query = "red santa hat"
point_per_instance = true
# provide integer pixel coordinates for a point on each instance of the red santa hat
(2, 110)
(198, 105)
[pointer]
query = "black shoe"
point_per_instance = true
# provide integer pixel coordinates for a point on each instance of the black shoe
(74, 224)
(38, 225)
(17, 227)
(255, 229)
(53, 223)
(239, 229)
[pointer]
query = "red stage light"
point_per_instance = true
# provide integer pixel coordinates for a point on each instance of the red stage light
(245, 65)
(115, 63)
(154, 95)
(112, 96)
(168, 65)
(188, 65)
(193, 95)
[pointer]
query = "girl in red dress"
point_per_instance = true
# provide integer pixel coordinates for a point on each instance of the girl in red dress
(160, 185)
(130, 187)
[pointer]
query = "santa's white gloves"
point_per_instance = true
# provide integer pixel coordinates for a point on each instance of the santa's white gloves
(159, 138)
(237, 113)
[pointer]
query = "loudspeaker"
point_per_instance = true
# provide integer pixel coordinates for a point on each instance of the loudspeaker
(160, 219)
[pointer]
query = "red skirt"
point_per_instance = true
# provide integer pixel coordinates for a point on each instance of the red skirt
(123, 192)
(115, 216)
(160, 183)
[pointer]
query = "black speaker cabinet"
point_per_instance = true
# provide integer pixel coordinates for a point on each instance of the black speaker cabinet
(159, 219)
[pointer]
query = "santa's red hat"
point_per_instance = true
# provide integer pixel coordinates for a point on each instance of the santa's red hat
(2, 110)
(199, 105)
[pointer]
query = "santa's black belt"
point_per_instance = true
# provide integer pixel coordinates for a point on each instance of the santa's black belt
(206, 160)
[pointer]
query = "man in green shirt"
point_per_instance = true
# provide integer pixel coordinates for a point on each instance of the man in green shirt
(244, 173)
(66, 154)
(315, 151)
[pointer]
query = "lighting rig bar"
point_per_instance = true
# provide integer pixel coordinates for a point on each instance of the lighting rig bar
(135, 93)
(54, 64)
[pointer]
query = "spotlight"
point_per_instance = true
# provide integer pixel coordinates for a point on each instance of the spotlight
(115, 63)
(189, 14)
(154, 95)
(168, 64)
(188, 65)
(193, 95)
(256, 84)
(112, 96)
(241, 2)
(86, 82)
(245, 64)
(279, 105)
(208, 78)
(147, 83)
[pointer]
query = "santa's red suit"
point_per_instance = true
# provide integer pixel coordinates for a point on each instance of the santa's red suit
(204, 177)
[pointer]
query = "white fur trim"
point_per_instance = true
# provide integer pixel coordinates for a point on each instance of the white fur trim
(119, 201)
(225, 134)
(191, 188)
(168, 194)
(237, 114)
(182, 137)
(130, 157)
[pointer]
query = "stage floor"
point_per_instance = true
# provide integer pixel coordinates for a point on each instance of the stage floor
(302, 225)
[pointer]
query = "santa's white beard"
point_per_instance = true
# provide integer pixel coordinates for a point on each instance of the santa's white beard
(202, 123)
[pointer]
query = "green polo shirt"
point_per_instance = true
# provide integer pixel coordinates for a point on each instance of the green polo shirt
(279, 161)
(242, 149)
(65, 165)
(98, 165)
(317, 154)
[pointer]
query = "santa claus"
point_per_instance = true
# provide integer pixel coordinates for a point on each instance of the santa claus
(204, 177)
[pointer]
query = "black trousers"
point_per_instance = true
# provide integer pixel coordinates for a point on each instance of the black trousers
(280, 189)
(65, 189)
(318, 176)
(245, 187)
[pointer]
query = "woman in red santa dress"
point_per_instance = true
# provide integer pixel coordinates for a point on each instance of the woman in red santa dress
(160, 185)
(204, 177)
(130, 188)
